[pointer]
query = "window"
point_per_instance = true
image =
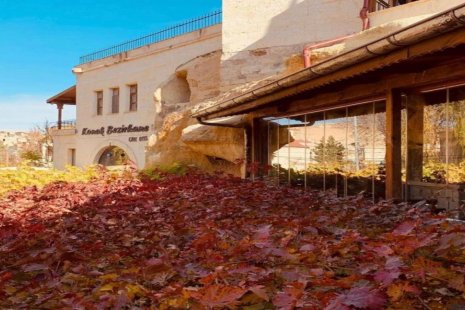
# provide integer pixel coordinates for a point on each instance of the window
(99, 102)
(115, 100)
(72, 157)
(341, 150)
(133, 98)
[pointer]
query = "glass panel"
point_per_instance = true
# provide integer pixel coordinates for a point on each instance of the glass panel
(335, 150)
(297, 150)
(99, 103)
(361, 166)
(283, 152)
(273, 147)
(455, 150)
(379, 151)
(280, 158)
(436, 146)
(403, 121)
(133, 98)
(341, 150)
(434, 137)
(314, 138)
(115, 101)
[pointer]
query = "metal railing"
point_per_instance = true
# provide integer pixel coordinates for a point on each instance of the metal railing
(68, 124)
(378, 5)
(381, 5)
(165, 34)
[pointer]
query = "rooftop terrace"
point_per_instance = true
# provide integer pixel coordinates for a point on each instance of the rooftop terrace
(165, 34)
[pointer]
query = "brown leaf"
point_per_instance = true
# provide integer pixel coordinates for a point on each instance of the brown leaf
(218, 295)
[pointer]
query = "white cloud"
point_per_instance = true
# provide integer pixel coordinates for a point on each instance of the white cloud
(25, 111)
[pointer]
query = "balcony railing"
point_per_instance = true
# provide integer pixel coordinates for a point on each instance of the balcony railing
(68, 124)
(378, 5)
(165, 34)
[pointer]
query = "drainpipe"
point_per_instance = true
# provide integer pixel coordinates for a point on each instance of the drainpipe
(365, 25)
(309, 48)
(364, 14)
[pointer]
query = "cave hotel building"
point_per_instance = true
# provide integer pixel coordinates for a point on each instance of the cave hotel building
(349, 96)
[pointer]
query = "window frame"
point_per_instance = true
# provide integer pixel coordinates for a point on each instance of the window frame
(133, 97)
(99, 102)
(115, 94)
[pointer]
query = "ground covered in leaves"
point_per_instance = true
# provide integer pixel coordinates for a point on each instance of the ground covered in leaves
(212, 242)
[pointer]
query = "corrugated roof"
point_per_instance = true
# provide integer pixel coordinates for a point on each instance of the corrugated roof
(434, 26)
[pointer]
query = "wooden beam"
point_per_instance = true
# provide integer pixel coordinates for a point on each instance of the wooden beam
(393, 145)
(255, 148)
(332, 99)
(449, 40)
(249, 149)
(343, 94)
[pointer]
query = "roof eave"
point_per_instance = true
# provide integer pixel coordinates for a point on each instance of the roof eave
(439, 24)
(68, 96)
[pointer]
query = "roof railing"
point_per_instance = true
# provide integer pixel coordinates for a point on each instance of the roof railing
(165, 34)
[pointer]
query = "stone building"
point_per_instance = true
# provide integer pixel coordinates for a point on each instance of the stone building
(263, 79)
(13, 145)
(122, 98)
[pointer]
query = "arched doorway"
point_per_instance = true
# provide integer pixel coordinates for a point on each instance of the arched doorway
(113, 156)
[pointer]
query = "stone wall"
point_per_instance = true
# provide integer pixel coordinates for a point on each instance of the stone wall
(179, 138)
(153, 68)
(416, 10)
(263, 39)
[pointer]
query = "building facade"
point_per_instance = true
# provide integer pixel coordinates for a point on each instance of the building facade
(115, 98)
(352, 96)
(377, 112)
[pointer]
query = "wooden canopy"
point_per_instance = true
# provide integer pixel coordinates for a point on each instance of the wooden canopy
(422, 57)
(67, 96)
(410, 57)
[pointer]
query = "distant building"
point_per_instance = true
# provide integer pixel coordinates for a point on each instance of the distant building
(14, 143)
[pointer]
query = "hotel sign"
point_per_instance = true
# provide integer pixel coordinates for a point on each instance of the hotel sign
(114, 130)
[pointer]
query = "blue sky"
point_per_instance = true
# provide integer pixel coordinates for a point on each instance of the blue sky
(41, 40)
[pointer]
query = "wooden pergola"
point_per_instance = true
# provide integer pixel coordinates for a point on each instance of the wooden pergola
(66, 97)
(434, 63)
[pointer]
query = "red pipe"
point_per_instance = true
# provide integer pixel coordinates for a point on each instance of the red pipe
(364, 14)
(309, 48)
(307, 53)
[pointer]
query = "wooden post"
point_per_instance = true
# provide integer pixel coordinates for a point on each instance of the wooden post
(60, 113)
(415, 114)
(393, 145)
(261, 147)
(249, 151)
